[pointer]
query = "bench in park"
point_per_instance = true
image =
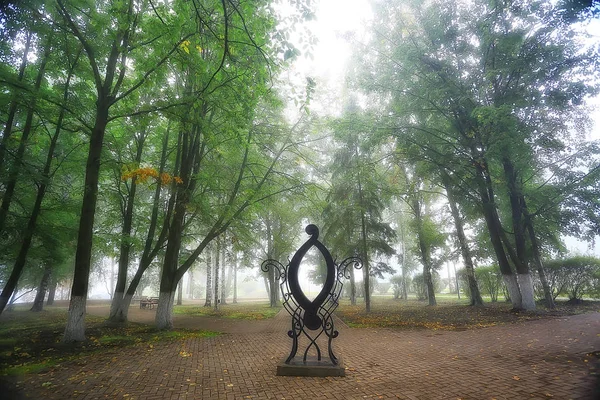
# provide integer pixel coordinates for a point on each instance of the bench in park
(148, 302)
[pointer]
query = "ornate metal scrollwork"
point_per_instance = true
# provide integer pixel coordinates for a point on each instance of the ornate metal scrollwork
(311, 318)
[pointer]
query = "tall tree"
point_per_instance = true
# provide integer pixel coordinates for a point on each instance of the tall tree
(358, 197)
(42, 181)
(129, 28)
(465, 251)
(17, 165)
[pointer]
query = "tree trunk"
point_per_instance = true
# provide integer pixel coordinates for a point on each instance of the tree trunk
(267, 287)
(272, 288)
(229, 283)
(190, 290)
(125, 246)
(107, 87)
(38, 303)
(75, 328)
(12, 110)
(217, 266)
(13, 176)
(168, 282)
(352, 287)
(352, 277)
(366, 270)
(404, 272)
(150, 251)
(13, 299)
(456, 280)
(224, 278)
(164, 310)
(188, 154)
(52, 291)
(209, 292)
(526, 290)
(540, 265)
(476, 299)
(425, 251)
(271, 273)
(517, 207)
(35, 212)
(180, 293)
(494, 227)
(235, 271)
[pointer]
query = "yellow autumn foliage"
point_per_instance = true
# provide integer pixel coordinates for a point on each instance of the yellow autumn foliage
(185, 46)
(141, 175)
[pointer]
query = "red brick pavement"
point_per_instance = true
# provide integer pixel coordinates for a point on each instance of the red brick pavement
(544, 359)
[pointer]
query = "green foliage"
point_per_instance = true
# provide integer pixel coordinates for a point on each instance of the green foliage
(419, 286)
(397, 282)
(490, 280)
(359, 193)
(574, 277)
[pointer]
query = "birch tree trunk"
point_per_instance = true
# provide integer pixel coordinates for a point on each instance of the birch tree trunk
(235, 271)
(404, 272)
(217, 266)
(224, 278)
(208, 301)
(365, 251)
(180, 293)
(191, 283)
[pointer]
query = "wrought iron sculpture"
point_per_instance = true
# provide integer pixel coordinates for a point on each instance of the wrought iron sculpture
(311, 318)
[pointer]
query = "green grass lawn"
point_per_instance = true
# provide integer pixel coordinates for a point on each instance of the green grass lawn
(248, 311)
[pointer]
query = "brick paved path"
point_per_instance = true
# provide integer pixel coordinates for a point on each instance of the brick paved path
(543, 359)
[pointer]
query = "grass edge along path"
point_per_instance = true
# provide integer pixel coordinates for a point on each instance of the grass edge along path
(31, 342)
(450, 316)
(253, 311)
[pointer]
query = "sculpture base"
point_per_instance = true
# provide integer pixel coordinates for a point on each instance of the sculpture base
(312, 367)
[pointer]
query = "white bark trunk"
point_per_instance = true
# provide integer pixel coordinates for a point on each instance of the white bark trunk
(513, 290)
(116, 304)
(122, 312)
(526, 287)
(75, 329)
(164, 310)
(125, 304)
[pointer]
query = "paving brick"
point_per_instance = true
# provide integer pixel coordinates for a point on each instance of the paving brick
(529, 360)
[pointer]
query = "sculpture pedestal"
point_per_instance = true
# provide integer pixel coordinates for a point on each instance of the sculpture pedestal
(312, 367)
